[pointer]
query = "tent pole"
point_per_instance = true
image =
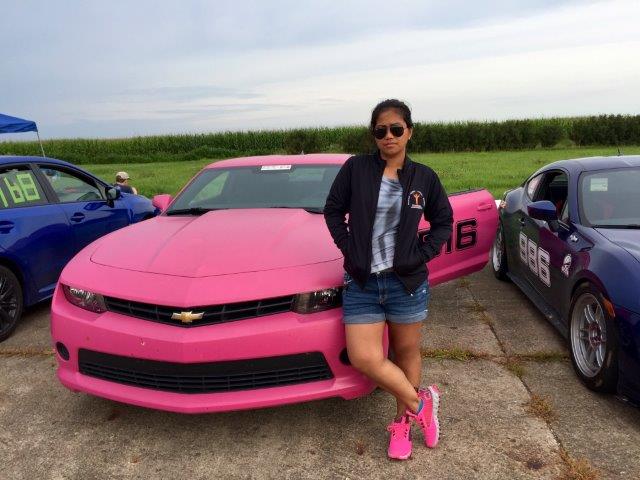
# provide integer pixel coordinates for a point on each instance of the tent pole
(40, 142)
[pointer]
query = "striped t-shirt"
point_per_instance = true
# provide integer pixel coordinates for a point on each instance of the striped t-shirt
(386, 224)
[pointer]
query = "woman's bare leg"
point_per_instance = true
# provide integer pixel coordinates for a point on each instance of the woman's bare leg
(404, 339)
(364, 346)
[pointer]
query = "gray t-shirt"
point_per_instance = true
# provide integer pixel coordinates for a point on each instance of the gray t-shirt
(386, 224)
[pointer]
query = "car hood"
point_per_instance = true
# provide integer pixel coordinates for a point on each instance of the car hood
(219, 242)
(627, 239)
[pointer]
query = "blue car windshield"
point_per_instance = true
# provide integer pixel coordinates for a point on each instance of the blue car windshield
(267, 186)
(610, 198)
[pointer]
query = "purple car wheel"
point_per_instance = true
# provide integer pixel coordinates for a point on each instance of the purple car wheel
(499, 255)
(10, 302)
(593, 340)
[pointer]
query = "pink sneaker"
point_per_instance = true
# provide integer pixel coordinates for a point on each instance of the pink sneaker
(400, 439)
(427, 417)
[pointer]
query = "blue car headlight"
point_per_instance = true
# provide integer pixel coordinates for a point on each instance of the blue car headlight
(94, 302)
(318, 301)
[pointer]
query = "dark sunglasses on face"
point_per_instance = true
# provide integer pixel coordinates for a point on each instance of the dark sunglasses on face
(381, 131)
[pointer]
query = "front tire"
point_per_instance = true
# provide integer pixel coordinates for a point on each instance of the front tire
(10, 302)
(499, 255)
(593, 340)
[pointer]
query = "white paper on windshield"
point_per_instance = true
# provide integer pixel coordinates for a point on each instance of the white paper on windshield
(275, 167)
(599, 184)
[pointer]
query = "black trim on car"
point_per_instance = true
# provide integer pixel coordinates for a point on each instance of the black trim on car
(211, 377)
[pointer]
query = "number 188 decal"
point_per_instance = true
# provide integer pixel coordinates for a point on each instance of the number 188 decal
(536, 257)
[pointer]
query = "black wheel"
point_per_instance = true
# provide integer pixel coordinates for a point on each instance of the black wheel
(10, 302)
(593, 340)
(499, 255)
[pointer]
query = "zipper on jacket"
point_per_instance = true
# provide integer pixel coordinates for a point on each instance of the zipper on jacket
(402, 205)
(373, 216)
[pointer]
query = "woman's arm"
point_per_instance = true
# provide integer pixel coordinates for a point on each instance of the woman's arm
(337, 205)
(439, 214)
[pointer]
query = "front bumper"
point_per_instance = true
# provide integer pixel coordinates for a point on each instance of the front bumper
(269, 336)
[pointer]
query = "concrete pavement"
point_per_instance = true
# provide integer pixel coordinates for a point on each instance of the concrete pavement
(512, 408)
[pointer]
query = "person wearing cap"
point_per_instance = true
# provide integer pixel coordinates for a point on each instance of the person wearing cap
(122, 183)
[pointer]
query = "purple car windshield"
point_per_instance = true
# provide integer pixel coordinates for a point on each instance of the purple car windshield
(610, 198)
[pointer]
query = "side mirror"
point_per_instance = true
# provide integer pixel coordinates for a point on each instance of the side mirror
(162, 201)
(546, 211)
(112, 194)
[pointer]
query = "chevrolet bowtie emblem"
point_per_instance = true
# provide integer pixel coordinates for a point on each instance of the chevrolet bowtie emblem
(186, 317)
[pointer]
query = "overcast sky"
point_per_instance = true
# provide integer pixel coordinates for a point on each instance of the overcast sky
(122, 68)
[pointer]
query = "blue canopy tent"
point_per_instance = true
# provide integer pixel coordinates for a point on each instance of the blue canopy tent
(17, 125)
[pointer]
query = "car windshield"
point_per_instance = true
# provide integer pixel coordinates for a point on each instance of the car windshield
(610, 198)
(267, 186)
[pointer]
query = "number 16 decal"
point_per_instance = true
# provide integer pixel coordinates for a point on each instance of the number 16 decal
(537, 258)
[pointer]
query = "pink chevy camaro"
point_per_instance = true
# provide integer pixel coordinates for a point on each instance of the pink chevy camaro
(231, 299)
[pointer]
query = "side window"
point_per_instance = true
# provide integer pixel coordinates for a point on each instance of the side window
(69, 187)
(554, 188)
(533, 185)
(564, 215)
(19, 187)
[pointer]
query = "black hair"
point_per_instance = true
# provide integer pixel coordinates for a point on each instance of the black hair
(391, 104)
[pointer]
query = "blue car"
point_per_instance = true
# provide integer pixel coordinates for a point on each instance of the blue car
(569, 238)
(50, 210)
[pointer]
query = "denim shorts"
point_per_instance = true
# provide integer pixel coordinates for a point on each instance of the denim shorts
(384, 298)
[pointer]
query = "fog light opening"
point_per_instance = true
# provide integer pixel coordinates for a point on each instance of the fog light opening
(62, 351)
(344, 357)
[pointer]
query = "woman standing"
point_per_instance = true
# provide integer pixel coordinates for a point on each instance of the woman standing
(385, 195)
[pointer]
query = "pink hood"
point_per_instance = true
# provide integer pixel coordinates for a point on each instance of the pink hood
(219, 242)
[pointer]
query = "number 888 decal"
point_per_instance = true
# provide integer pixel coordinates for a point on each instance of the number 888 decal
(537, 258)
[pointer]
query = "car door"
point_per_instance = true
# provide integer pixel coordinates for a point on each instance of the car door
(82, 198)
(532, 263)
(34, 233)
(550, 247)
(475, 221)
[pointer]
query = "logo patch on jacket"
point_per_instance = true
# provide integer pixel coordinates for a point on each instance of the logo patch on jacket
(416, 199)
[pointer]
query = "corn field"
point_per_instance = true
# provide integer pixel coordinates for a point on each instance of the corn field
(526, 134)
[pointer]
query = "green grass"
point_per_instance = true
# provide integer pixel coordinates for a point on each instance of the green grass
(495, 171)
(499, 171)
(152, 178)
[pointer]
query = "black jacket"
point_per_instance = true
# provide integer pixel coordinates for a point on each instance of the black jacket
(355, 191)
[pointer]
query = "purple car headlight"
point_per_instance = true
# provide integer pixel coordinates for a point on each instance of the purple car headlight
(94, 302)
(318, 301)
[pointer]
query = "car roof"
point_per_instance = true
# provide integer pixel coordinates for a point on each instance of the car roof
(305, 159)
(6, 159)
(587, 164)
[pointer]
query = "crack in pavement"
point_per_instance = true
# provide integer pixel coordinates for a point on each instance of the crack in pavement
(26, 352)
(564, 455)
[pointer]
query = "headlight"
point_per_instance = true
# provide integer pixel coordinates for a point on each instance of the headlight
(93, 302)
(313, 302)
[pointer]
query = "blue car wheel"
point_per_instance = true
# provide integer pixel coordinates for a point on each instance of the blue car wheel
(593, 340)
(10, 302)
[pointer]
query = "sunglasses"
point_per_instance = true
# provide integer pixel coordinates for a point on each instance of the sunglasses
(381, 131)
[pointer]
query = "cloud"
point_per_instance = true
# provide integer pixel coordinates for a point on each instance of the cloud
(124, 69)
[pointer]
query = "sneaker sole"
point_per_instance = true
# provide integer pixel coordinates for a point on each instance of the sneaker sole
(435, 397)
(406, 457)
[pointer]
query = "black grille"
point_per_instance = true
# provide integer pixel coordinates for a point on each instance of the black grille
(213, 377)
(211, 315)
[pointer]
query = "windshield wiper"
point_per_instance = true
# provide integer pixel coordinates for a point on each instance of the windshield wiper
(629, 226)
(306, 209)
(314, 209)
(190, 211)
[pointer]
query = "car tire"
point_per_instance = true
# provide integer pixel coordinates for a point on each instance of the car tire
(593, 340)
(10, 302)
(498, 256)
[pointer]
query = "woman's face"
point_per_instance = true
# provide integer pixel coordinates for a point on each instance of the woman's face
(389, 145)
